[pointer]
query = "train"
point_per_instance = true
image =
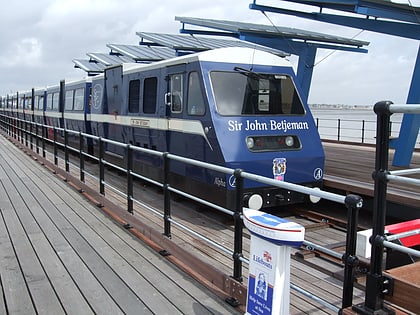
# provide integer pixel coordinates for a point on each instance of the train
(239, 108)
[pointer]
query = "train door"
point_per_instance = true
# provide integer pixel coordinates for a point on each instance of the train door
(114, 101)
(175, 107)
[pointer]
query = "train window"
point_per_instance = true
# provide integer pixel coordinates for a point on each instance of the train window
(68, 102)
(79, 97)
(195, 96)
(176, 92)
(249, 93)
(41, 102)
(56, 101)
(149, 95)
(49, 101)
(134, 96)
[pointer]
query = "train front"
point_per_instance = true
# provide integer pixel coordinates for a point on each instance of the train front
(263, 127)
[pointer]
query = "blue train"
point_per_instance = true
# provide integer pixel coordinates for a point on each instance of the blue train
(235, 107)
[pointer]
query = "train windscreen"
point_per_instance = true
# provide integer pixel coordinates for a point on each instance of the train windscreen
(248, 93)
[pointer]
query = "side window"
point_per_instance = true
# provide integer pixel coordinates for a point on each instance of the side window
(41, 102)
(49, 101)
(195, 103)
(149, 95)
(176, 93)
(56, 100)
(79, 97)
(134, 96)
(68, 102)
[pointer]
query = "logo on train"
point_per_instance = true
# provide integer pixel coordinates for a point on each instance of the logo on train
(279, 168)
(318, 173)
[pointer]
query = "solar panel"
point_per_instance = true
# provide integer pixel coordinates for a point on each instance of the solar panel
(238, 28)
(143, 52)
(89, 66)
(109, 59)
(192, 43)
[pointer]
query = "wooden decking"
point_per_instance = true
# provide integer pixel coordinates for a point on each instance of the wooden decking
(61, 255)
(350, 167)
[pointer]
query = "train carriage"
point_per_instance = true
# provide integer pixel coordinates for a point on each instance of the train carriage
(235, 107)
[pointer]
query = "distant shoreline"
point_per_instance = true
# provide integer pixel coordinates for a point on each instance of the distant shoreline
(340, 106)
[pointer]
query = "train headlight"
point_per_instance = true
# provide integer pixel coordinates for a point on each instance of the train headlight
(289, 141)
(250, 142)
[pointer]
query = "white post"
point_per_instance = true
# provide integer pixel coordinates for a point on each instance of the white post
(269, 269)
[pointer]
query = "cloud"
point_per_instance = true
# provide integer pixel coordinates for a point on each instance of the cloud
(44, 36)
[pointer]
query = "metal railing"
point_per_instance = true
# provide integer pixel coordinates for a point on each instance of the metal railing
(36, 136)
(376, 283)
(354, 131)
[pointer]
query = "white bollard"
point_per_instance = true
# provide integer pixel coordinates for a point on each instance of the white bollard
(269, 262)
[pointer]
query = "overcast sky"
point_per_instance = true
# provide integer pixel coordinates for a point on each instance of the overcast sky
(39, 39)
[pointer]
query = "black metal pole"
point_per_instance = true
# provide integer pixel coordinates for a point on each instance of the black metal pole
(374, 280)
(350, 260)
(167, 196)
(66, 151)
(237, 252)
(101, 167)
(129, 153)
(32, 118)
(82, 157)
(55, 147)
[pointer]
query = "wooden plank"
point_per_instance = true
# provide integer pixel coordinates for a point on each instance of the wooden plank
(63, 284)
(193, 305)
(42, 293)
(15, 294)
(406, 291)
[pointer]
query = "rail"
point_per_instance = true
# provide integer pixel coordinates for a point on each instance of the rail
(36, 136)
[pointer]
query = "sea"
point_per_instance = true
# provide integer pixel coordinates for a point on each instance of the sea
(350, 123)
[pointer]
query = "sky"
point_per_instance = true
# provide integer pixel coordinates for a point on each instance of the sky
(39, 39)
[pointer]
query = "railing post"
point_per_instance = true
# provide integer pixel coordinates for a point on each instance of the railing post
(101, 167)
(363, 131)
(66, 151)
(55, 146)
(167, 196)
(129, 154)
(36, 139)
(237, 217)
(44, 134)
(82, 157)
(350, 260)
(374, 303)
(338, 129)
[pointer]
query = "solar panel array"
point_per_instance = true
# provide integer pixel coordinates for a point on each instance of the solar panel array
(157, 46)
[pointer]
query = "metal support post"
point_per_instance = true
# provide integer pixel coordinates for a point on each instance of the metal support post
(353, 203)
(55, 147)
(129, 153)
(167, 196)
(237, 217)
(101, 167)
(82, 157)
(66, 151)
(375, 281)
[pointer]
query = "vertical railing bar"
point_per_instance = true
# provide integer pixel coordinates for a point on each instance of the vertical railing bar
(66, 151)
(167, 196)
(101, 167)
(238, 233)
(129, 154)
(82, 157)
(350, 260)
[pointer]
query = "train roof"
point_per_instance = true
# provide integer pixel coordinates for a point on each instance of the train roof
(237, 55)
